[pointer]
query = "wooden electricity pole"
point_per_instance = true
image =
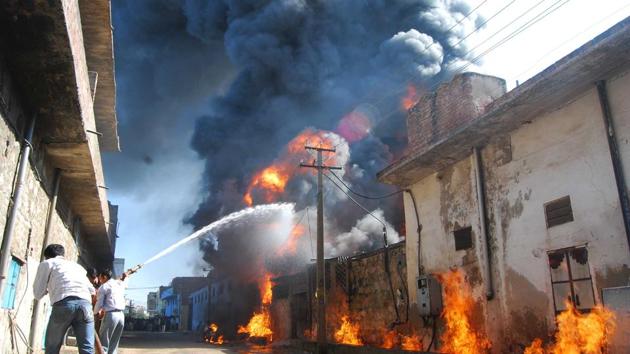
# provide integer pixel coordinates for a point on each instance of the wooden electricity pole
(321, 270)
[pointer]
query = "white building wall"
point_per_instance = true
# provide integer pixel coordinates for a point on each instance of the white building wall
(564, 152)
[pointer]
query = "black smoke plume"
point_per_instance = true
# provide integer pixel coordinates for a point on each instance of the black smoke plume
(292, 65)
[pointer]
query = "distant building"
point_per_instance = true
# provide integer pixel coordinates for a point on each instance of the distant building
(525, 191)
(56, 81)
(152, 303)
(118, 267)
(176, 301)
(199, 301)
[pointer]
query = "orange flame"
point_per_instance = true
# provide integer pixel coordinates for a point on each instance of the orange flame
(348, 333)
(459, 335)
(389, 340)
(412, 342)
(579, 333)
(290, 245)
(260, 323)
(211, 336)
(272, 180)
(410, 98)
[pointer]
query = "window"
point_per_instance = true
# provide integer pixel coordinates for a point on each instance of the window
(558, 212)
(8, 300)
(463, 238)
(571, 279)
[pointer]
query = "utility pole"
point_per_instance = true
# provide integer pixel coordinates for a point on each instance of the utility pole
(321, 269)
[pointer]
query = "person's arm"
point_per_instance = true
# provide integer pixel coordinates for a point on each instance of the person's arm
(40, 285)
(100, 298)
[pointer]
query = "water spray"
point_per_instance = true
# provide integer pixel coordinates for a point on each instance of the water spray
(217, 225)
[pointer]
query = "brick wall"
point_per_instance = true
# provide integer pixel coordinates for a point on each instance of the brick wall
(31, 217)
(454, 104)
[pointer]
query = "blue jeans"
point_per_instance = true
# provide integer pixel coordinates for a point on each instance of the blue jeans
(74, 312)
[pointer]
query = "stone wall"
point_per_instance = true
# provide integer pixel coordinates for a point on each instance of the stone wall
(31, 217)
(359, 287)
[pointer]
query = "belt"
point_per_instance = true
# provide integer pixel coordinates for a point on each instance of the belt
(69, 298)
(114, 311)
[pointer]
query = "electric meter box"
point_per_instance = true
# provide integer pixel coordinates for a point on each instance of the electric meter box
(429, 296)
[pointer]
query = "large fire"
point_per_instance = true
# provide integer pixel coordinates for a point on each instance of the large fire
(578, 333)
(348, 333)
(260, 323)
(270, 182)
(410, 98)
(459, 335)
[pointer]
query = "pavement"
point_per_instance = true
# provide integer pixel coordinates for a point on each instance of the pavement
(181, 343)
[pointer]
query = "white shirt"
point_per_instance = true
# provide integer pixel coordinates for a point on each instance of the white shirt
(61, 278)
(111, 296)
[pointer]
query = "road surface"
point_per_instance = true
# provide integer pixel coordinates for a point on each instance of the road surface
(178, 343)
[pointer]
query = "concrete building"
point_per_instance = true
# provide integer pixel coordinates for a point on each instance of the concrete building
(118, 267)
(525, 191)
(199, 301)
(176, 301)
(56, 81)
(152, 303)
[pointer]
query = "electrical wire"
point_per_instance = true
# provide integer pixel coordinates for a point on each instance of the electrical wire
(358, 204)
(549, 10)
(363, 195)
(558, 46)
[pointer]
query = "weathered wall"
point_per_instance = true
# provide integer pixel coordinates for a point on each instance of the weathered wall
(31, 217)
(362, 293)
(451, 106)
(561, 153)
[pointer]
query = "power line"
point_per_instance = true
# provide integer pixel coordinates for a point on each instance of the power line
(359, 205)
(363, 195)
(558, 46)
(549, 10)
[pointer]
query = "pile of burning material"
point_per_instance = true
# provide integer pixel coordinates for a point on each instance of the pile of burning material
(348, 333)
(394, 339)
(211, 335)
(578, 333)
(259, 327)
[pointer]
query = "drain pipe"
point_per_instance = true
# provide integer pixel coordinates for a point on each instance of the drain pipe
(419, 230)
(7, 239)
(622, 189)
(483, 221)
(37, 304)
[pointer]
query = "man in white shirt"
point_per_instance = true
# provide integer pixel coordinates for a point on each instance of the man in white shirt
(110, 304)
(70, 293)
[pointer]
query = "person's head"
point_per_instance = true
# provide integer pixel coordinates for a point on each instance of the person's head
(105, 275)
(54, 250)
(92, 274)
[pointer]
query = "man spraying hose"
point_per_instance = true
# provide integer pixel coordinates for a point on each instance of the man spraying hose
(110, 304)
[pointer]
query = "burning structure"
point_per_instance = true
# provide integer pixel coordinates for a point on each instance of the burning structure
(525, 193)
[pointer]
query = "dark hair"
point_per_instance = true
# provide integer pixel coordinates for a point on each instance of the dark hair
(107, 273)
(91, 272)
(53, 250)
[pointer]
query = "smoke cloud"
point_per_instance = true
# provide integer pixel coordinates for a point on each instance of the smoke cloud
(258, 73)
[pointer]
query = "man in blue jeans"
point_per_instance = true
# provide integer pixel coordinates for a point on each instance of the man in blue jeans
(70, 293)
